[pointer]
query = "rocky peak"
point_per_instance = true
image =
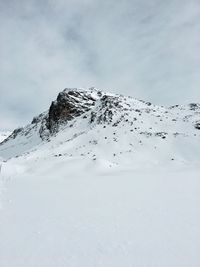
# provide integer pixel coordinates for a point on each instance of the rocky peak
(69, 104)
(72, 102)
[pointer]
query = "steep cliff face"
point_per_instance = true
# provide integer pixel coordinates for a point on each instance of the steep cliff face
(70, 104)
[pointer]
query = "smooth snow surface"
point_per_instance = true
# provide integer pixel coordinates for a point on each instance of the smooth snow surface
(116, 218)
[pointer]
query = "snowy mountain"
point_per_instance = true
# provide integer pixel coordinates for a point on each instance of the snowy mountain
(94, 125)
(102, 180)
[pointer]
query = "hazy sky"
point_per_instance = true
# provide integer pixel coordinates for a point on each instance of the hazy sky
(145, 48)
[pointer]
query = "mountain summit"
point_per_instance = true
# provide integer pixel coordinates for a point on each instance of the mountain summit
(97, 125)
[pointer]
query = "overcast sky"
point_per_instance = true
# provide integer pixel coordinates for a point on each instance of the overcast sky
(145, 48)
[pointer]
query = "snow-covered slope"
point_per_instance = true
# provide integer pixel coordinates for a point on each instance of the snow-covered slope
(102, 180)
(4, 135)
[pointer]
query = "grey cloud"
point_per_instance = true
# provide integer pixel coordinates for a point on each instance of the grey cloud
(147, 49)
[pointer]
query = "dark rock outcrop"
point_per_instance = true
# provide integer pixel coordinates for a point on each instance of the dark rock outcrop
(194, 106)
(107, 107)
(197, 125)
(69, 104)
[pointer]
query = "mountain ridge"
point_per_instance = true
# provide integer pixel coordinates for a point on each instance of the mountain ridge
(119, 122)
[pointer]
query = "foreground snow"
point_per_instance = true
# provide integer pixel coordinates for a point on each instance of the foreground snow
(106, 218)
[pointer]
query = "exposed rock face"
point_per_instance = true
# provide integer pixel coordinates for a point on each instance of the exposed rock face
(197, 125)
(194, 106)
(72, 103)
(69, 104)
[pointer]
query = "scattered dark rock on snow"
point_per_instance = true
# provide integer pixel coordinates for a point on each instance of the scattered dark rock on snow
(163, 135)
